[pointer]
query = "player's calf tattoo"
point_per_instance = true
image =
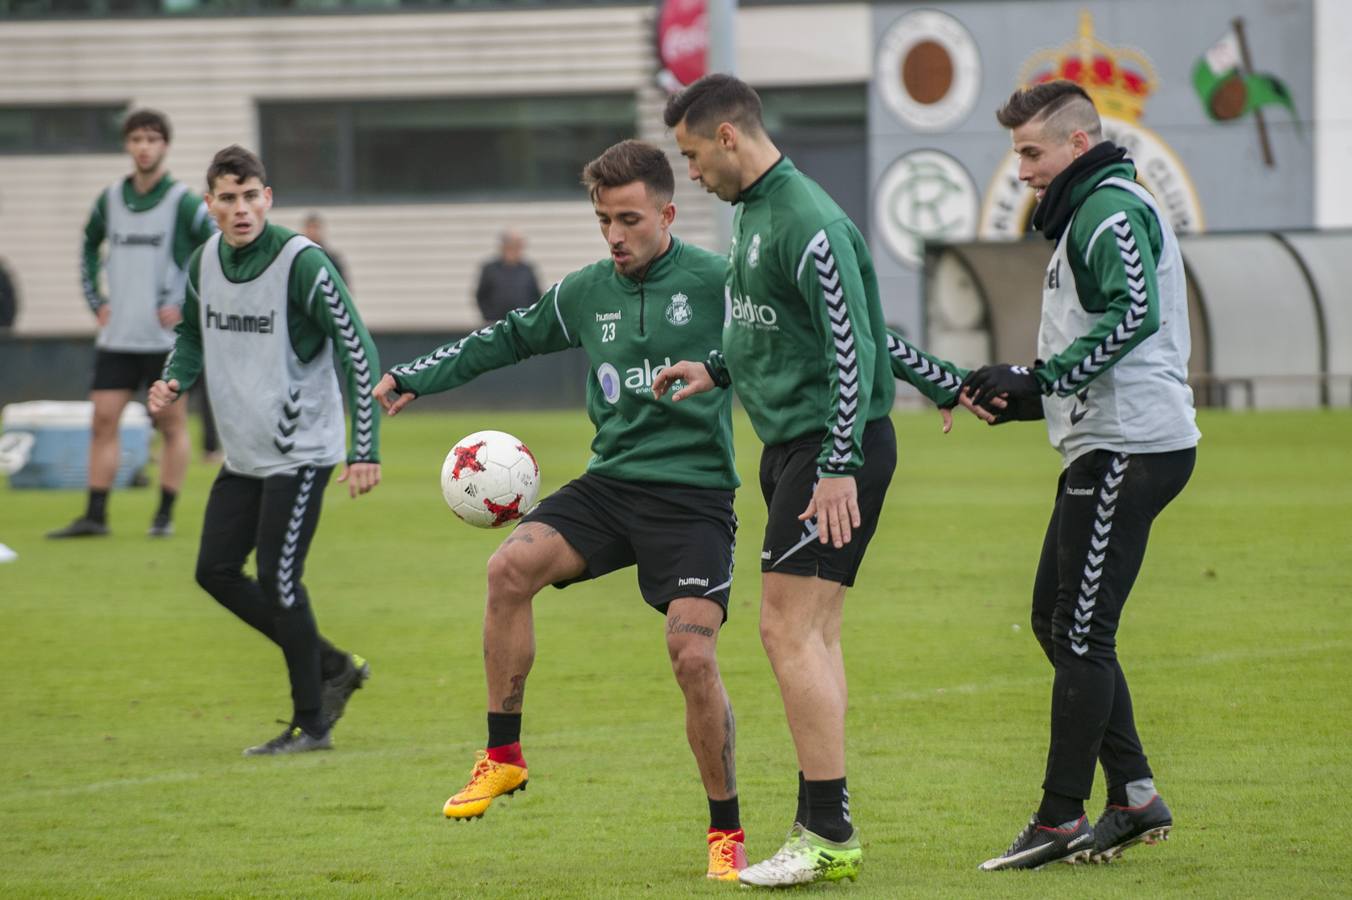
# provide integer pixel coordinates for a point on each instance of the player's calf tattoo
(512, 702)
(728, 754)
(676, 626)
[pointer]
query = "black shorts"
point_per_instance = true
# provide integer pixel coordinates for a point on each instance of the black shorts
(117, 371)
(681, 538)
(788, 474)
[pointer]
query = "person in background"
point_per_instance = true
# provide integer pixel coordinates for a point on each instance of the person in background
(508, 281)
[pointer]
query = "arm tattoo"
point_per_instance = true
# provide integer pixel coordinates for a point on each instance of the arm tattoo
(676, 626)
(512, 702)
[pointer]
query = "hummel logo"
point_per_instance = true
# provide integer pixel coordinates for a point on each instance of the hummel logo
(1080, 492)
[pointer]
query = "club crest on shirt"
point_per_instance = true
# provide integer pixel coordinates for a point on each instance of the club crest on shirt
(678, 310)
(753, 252)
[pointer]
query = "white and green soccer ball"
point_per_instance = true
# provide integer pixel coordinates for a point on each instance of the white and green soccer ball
(490, 479)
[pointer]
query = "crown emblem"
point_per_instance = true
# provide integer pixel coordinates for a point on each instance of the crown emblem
(1118, 79)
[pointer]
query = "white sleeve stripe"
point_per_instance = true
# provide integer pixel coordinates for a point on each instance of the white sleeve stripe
(1107, 223)
(558, 312)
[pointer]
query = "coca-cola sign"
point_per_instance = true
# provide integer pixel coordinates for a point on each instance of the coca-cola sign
(682, 41)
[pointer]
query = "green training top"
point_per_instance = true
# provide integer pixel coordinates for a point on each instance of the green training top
(804, 342)
(320, 313)
(630, 330)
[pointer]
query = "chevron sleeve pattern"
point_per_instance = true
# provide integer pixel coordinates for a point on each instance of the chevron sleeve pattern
(829, 280)
(937, 379)
(1118, 279)
(532, 331)
(328, 304)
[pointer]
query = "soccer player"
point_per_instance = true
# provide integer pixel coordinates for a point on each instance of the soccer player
(266, 316)
(151, 223)
(1111, 381)
(657, 493)
(806, 349)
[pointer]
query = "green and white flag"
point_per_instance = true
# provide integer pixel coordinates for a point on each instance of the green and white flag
(1227, 91)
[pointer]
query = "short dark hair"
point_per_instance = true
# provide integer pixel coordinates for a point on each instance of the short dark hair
(627, 162)
(235, 160)
(715, 99)
(1040, 101)
(151, 119)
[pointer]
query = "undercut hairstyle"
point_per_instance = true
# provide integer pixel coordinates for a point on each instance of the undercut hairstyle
(150, 119)
(712, 100)
(1062, 106)
(627, 162)
(235, 160)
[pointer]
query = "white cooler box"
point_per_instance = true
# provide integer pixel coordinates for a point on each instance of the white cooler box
(45, 443)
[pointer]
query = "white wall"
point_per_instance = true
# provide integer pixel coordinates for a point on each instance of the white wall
(1333, 114)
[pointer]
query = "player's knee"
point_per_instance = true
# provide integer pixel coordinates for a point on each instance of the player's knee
(509, 579)
(694, 662)
(214, 577)
(779, 634)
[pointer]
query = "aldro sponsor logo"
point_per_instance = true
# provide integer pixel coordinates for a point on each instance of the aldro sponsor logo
(638, 379)
(246, 324)
(137, 240)
(746, 311)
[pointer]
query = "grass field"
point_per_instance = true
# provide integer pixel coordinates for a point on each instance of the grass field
(127, 693)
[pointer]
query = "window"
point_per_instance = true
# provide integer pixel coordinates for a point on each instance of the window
(445, 149)
(824, 130)
(61, 129)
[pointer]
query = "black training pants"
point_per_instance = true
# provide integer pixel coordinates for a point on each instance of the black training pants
(1105, 504)
(277, 517)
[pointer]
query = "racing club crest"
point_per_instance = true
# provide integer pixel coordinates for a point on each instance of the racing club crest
(753, 252)
(678, 310)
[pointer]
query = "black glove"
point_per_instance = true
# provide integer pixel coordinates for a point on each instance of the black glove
(1017, 386)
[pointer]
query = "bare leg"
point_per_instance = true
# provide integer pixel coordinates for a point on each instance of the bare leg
(103, 438)
(800, 630)
(173, 424)
(532, 557)
(692, 641)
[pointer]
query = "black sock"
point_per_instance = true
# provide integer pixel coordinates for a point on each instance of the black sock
(724, 815)
(503, 729)
(332, 661)
(167, 498)
(310, 722)
(1058, 809)
(828, 809)
(800, 815)
(97, 509)
(1117, 796)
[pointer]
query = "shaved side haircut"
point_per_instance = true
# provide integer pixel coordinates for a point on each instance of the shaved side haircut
(1062, 107)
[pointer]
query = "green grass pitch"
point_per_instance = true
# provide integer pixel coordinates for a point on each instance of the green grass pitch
(126, 694)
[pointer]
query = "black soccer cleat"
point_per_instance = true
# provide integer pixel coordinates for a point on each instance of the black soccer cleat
(1040, 845)
(1120, 827)
(340, 688)
(293, 740)
(81, 527)
(161, 526)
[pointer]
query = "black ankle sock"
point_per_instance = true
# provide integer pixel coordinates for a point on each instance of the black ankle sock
(97, 508)
(800, 815)
(332, 661)
(310, 723)
(503, 729)
(828, 809)
(167, 498)
(724, 815)
(1117, 796)
(1058, 809)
